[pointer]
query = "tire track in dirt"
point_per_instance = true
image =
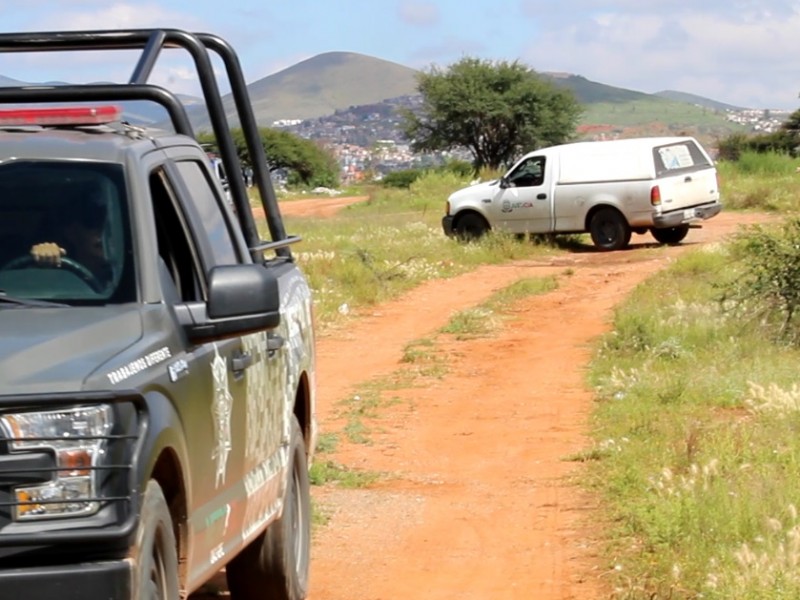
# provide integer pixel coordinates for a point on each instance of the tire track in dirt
(481, 502)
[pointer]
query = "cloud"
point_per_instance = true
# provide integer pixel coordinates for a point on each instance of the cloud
(418, 14)
(447, 51)
(741, 57)
(119, 15)
(174, 68)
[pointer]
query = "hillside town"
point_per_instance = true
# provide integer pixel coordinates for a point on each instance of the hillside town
(368, 140)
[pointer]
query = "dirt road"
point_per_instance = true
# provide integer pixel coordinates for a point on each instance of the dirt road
(477, 499)
(318, 207)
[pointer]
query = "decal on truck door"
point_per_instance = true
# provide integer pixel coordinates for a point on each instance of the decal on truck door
(221, 413)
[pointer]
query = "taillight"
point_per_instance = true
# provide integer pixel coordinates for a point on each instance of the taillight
(655, 196)
(447, 208)
(54, 116)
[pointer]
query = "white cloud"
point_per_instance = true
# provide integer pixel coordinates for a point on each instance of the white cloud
(737, 57)
(118, 15)
(420, 14)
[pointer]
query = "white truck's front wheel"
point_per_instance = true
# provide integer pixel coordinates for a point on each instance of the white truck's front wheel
(471, 226)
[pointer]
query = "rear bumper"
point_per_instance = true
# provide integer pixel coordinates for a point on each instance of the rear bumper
(676, 218)
(91, 581)
(447, 225)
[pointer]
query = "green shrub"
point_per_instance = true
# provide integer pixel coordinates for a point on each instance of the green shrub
(731, 147)
(760, 182)
(401, 179)
(766, 163)
(768, 290)
(461, 168)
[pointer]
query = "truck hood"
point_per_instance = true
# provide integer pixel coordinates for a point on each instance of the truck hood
(486, 189)
(50, 350)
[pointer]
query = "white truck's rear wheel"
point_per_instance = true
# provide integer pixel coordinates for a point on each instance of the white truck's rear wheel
(609, 229)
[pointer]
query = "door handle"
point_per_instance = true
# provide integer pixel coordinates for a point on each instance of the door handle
(240, 361)
(688, 178)
(542, 196)
(274, 343)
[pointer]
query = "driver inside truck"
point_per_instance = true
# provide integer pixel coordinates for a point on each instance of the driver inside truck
(76, 233)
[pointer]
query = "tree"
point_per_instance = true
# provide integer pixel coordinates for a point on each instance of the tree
(306, 163)
(497, 110)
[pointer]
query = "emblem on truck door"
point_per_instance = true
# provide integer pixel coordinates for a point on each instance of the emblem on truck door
(221, 413)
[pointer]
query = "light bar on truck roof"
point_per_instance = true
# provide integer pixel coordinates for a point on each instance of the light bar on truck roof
(64, 115)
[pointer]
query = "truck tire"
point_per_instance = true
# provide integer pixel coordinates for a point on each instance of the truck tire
(154, 554)
(670, 235)
(275, 565)
(471, 226)
(609, 229)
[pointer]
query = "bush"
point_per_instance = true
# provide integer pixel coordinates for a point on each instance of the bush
(766, 163)
(785, 140)
(401, 179)
(731, 147)
(462, 168)
(768, 290)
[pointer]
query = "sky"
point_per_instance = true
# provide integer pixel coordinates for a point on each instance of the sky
(742, 52)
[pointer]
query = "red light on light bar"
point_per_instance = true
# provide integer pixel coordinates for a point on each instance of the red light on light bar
(67, 115)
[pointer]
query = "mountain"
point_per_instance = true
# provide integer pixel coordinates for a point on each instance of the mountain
(320, 86)
(330, 81)
(698, 100)
(336, 82)
(590, 92)
(137, 112)
(7, 81)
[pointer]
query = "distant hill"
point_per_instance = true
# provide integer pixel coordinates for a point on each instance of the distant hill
(336, 82)
(137, 112)
(7, 81)
(322, 85)
(697, 100)
(590, 92)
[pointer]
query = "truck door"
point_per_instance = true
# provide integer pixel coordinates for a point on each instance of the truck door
(524, 203)
(204, 387)
(231, 400)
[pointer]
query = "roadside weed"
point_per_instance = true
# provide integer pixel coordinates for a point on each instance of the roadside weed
(483, 320)
(331, 472)
(376, 250)
(696, 449)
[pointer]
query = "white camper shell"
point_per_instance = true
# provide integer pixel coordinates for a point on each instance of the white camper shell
(610, 189)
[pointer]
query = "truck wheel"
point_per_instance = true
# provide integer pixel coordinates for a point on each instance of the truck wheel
(609, 229)
(275, 565)
(471, 227)
(154, 554)
(670, 235)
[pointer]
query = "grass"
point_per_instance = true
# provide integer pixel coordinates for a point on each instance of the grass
(661, 117)
(328, 471)
(375, 251)
(696, 445)
(485, 319)
(766, 182)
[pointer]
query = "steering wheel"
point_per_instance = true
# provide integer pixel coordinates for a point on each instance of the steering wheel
(69, 264)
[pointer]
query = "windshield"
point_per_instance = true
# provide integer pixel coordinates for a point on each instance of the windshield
(64, 233)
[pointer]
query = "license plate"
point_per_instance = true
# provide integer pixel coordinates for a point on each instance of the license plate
(688, 214)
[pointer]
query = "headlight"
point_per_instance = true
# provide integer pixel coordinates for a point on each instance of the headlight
(78, 438)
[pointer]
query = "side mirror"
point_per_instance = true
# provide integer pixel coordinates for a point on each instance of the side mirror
(504, 183)
(241, 299)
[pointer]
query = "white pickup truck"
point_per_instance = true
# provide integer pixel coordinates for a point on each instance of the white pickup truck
(610, 189)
